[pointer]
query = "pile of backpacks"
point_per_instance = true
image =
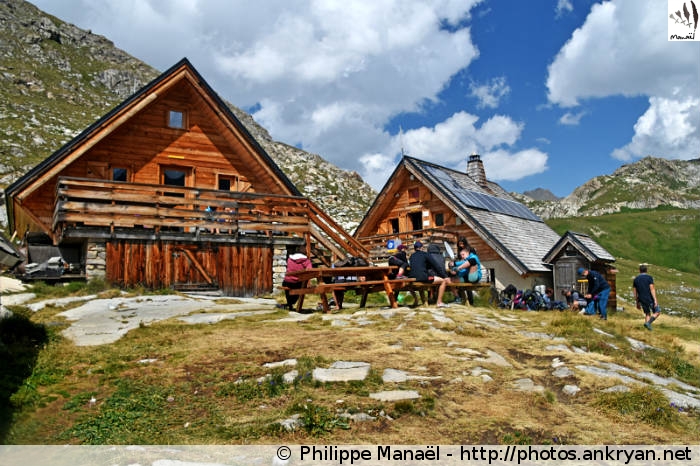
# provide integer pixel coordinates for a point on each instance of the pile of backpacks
(527, 300)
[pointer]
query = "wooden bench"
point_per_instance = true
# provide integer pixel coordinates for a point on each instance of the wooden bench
(422, 288)
(363, 288)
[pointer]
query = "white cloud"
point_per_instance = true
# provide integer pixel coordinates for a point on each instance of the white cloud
(449, 143)
(571, 118)
(668, 128)
(563, 7)
(501, 165)
(490, 94)
(622, 49)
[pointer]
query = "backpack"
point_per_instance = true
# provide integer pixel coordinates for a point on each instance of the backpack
(510, 290)
(518, 301)
(533, 300)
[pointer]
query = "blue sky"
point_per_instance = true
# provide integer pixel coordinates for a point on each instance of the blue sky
(550, 93)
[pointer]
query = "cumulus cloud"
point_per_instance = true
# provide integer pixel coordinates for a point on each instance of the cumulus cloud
(490, 94)
(669, 128)
(571, 118)
(623, 49)
(450, 142)
(328, 76)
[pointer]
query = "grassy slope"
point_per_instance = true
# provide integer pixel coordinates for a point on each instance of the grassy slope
(203, 387)
(666, 237)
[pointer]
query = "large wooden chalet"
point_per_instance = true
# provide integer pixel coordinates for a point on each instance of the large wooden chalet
(425, 201)
(170, 190)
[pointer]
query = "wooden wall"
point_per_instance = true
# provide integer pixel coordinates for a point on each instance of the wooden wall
(238, 270)
(402, 203)
(207, 149)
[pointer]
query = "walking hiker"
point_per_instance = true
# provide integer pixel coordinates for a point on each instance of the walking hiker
(598, 292)
(645, 296)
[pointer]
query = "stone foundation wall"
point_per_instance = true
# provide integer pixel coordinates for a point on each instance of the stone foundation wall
(279, 266)
(96, 260)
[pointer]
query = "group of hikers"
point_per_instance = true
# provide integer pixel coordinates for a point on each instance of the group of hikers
(595, 300)
(429, 267)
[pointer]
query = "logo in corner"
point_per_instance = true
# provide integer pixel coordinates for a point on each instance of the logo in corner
(682, 20)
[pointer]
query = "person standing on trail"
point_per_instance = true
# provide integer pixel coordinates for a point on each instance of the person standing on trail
(645, 296)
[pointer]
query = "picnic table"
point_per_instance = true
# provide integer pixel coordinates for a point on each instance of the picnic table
(363, 280)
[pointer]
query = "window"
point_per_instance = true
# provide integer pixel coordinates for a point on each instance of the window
(176, 119)
(439, 220)
(227, 183)
(416, 219)
(413, 195)
(394, 225)
(120, 174)
(173, 177)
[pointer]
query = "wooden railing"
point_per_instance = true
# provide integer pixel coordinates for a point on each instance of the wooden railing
(105, 204)
(376, 244)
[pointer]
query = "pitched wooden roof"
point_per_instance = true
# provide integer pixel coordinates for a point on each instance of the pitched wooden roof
(519, 236)
(120, 114)
(584, 244)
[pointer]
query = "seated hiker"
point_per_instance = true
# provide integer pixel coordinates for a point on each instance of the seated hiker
(574, 300)
(549, 301)
(468, 267)
(296, 261)
(421, 262)
(399, 260)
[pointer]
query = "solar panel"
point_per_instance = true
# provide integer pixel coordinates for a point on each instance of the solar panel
(468, 196)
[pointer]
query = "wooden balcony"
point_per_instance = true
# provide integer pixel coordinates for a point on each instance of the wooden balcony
(377, 244)
(90, 208)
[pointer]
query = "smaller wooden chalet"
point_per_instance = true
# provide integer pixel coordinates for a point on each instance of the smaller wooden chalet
(169, 189)
(422, 200)
(576, 250)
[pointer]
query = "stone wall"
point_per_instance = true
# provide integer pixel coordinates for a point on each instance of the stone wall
(96, 260)
(279, 265)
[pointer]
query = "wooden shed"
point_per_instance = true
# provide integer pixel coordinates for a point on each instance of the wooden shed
(427, 201)
(170, 190)
(576, 250)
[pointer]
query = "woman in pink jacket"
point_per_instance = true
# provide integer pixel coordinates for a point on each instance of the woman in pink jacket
(296, 261)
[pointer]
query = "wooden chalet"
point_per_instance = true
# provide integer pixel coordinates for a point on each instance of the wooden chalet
(170, 190)
(422, 200)
(574, 250)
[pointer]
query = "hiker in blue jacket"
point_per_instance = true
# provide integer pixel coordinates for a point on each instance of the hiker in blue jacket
(598, 291)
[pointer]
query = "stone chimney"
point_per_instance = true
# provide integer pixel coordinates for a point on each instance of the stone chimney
(475, 170)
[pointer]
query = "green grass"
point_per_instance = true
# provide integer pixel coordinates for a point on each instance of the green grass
(667, 237)
(645, 404)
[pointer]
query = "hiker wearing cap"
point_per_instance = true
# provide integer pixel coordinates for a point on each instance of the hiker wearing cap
(598, 290)
(421, 262)
(645, 296)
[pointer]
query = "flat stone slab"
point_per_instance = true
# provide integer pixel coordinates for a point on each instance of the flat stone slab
(103, 321)
(562, 372)
(495, 359)
(213, 318)
(342, 371)
(395, 395)
(571, 390)
(527, 385)
(286, 362)
(16, 299)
